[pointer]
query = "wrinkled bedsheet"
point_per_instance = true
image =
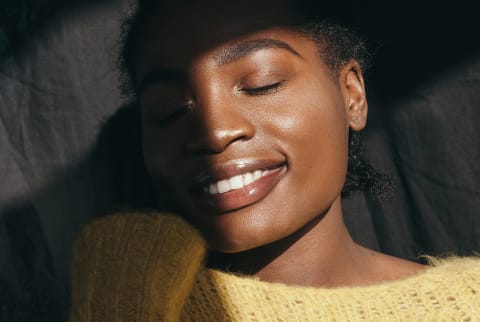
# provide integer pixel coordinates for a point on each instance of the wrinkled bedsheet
(69, 142)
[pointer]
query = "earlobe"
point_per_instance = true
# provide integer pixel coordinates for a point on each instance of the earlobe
(353, 87)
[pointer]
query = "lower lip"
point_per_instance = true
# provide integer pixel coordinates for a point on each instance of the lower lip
(246, 196)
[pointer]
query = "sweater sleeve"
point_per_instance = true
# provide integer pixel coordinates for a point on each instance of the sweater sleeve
(135, 267)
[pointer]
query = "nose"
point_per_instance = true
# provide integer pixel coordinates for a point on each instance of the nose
(218, 122)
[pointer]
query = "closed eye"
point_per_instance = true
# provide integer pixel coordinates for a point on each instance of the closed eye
(262, 90)
(164, 115)
(163, 120)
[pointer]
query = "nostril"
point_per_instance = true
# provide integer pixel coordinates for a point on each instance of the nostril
(215, 139)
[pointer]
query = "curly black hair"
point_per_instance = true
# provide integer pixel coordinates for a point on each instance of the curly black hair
(338, 45)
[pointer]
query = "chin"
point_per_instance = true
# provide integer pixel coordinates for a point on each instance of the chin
(239, 239)
(234, 240)
(229, 249)
(229, 245)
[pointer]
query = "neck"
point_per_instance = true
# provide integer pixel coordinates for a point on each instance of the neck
(322, 253)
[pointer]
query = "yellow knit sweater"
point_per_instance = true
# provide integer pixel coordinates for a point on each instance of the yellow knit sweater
(147, 267)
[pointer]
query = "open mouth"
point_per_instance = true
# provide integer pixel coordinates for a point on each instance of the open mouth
(236, 182)
(240, 190)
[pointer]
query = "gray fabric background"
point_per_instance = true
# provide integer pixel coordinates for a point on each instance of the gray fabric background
(69, 151)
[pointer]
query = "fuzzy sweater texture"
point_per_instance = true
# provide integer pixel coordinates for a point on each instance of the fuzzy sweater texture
(148, 267)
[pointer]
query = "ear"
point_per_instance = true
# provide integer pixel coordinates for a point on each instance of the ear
(353, 89)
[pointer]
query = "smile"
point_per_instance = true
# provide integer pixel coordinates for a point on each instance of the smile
(231, 191)
(236, 182)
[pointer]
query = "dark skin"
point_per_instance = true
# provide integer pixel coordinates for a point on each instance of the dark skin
(247, 129)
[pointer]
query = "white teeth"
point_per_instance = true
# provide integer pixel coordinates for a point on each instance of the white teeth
(213, 189)
(236, 182)
(247, 178)
(223, 186)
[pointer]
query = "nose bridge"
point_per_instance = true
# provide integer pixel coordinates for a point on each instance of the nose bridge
(218, 120)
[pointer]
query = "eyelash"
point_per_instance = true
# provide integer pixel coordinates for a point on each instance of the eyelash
(262, 90)
(175, 114)
(255, 91)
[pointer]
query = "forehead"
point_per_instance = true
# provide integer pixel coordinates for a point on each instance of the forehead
(180, 30)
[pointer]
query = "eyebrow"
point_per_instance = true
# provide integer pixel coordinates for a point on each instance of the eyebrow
(227, 56)
(243, 49)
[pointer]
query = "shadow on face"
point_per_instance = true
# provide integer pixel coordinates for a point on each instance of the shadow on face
(185, 29)
(243, 123)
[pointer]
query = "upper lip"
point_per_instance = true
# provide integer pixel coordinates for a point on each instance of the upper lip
(215, 172)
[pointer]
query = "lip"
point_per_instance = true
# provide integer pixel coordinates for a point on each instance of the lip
(239, 198)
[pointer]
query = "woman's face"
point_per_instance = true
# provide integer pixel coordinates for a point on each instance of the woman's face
(249, 136)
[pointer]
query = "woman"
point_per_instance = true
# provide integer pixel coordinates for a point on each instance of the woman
(247, 109)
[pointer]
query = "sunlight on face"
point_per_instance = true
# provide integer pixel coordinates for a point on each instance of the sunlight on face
(247, 130)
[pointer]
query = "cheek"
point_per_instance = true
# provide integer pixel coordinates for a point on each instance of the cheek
(313, 132)
(314, 116)
(160, 148)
